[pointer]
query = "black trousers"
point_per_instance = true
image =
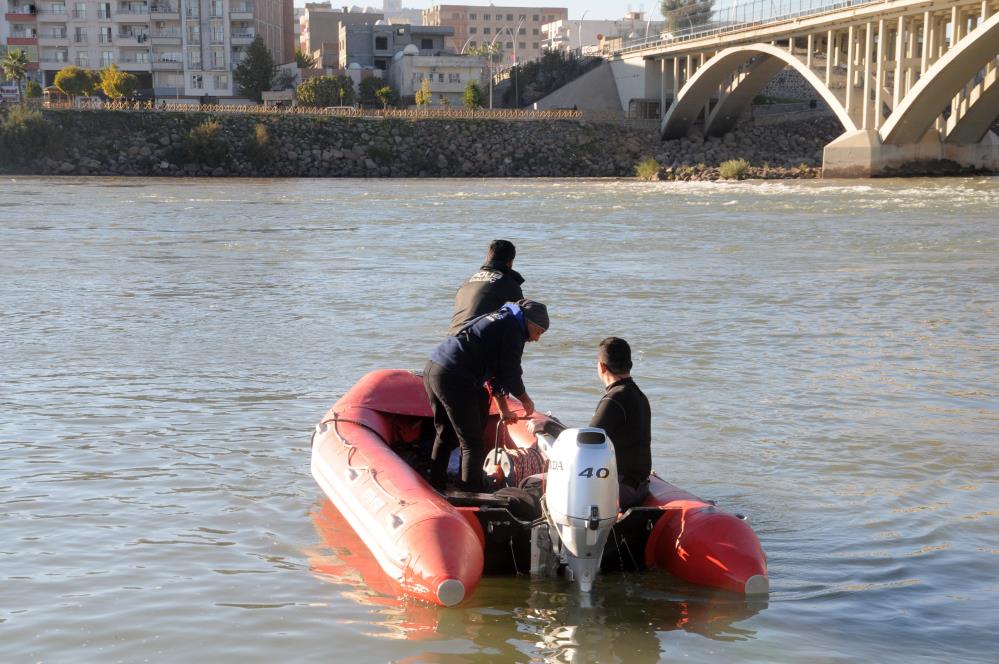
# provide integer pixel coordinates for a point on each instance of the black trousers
(460, 407)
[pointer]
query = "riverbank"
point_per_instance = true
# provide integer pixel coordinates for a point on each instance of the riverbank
(130, 143)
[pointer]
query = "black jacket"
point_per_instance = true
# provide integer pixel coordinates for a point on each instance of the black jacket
(490, 349)
(484, 292)
(624, 413)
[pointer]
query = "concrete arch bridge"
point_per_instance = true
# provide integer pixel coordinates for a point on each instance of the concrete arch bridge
(909, 80)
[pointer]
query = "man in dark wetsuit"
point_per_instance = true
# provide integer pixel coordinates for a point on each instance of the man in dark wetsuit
(495, 284)
(624, 413)
(489, 349)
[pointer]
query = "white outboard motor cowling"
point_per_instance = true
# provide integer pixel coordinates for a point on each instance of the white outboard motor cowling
(581, 498)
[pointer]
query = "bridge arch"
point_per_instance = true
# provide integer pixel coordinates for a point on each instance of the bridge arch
(936, 88)
(764, 61)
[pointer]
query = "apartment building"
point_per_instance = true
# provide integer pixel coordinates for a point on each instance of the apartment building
(321, 26)
(516, 29)
(447, 74)
(374, 46)
(20, 31)
(176, 48)
(586, 36)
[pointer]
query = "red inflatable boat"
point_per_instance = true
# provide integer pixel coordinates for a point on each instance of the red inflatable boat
(369, 455)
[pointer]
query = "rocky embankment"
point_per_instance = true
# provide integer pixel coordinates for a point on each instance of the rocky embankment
(197, 144)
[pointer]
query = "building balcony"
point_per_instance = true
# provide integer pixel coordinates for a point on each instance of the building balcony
(167, 65)
(165, 10)
(134, 64)
(135, 39)
(53, 39)
(242, 37)
(15, 40)
(21, 15)
(131, 16)
(52, 16)
(165, 37)
(242, 11)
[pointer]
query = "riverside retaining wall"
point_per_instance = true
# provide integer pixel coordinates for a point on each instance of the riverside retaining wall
(163, 143)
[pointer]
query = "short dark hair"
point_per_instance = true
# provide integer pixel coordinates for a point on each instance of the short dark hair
(615, 354)
(501, 251)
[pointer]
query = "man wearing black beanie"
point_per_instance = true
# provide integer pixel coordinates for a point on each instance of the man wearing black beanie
(486, 350)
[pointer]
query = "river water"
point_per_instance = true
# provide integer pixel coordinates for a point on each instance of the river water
(821, 356)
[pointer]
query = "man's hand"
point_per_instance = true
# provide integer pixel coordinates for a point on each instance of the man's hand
(528, 404)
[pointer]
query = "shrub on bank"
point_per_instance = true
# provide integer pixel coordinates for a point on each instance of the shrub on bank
(733, 169)
(205, 145)
(648, 169)
(257, 146)
(25, 136)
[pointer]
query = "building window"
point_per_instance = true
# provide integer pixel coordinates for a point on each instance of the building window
(536, 31)
(440, 78)
(535, 18)
(509, 17)
(487, 31)
(486, 17)
(82, 59)
(221, 81)
(107, 57)
(381, 43)
(473, 30)
(471, 17)
(457, 16)
(427, 44)
(522, 17)
(521, 45)
(522, 31)
(197, 81)
(535, 45)
(473, 44)
(509, 44)
(454, 78)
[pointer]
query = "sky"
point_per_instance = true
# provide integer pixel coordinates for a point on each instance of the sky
(594, 9)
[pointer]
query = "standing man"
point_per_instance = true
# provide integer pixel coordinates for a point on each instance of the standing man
(487, 350)
(624, 413)
(495, 284)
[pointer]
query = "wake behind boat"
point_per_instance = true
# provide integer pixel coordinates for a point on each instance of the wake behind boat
(369, 455)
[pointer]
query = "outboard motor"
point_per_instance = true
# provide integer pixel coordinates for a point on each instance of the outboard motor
(581, 499)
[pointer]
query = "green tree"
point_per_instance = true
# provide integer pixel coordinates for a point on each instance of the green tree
(387, 95)
(367, 90)
(32, 89)
(423, 95)
(75, 81)
(117, 84)
(472, 96)
(305, 60)
(255, 73)
(686, 14)
(492, 52)
(326, 91)
(15, 68)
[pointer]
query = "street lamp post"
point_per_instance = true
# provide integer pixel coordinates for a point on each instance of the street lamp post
(579, 31)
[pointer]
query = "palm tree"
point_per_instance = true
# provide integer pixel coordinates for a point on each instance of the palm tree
(15, 67)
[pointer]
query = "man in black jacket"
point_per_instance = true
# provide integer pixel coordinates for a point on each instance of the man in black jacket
(624, 413)
(487, 350)
(495, 284)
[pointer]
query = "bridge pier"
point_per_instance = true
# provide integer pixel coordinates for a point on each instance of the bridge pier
(861, 154)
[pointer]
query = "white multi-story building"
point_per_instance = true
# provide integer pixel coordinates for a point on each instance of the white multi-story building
(176, 48)
(585, 36)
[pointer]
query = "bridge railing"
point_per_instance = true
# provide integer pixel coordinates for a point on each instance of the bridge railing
(755, 14)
